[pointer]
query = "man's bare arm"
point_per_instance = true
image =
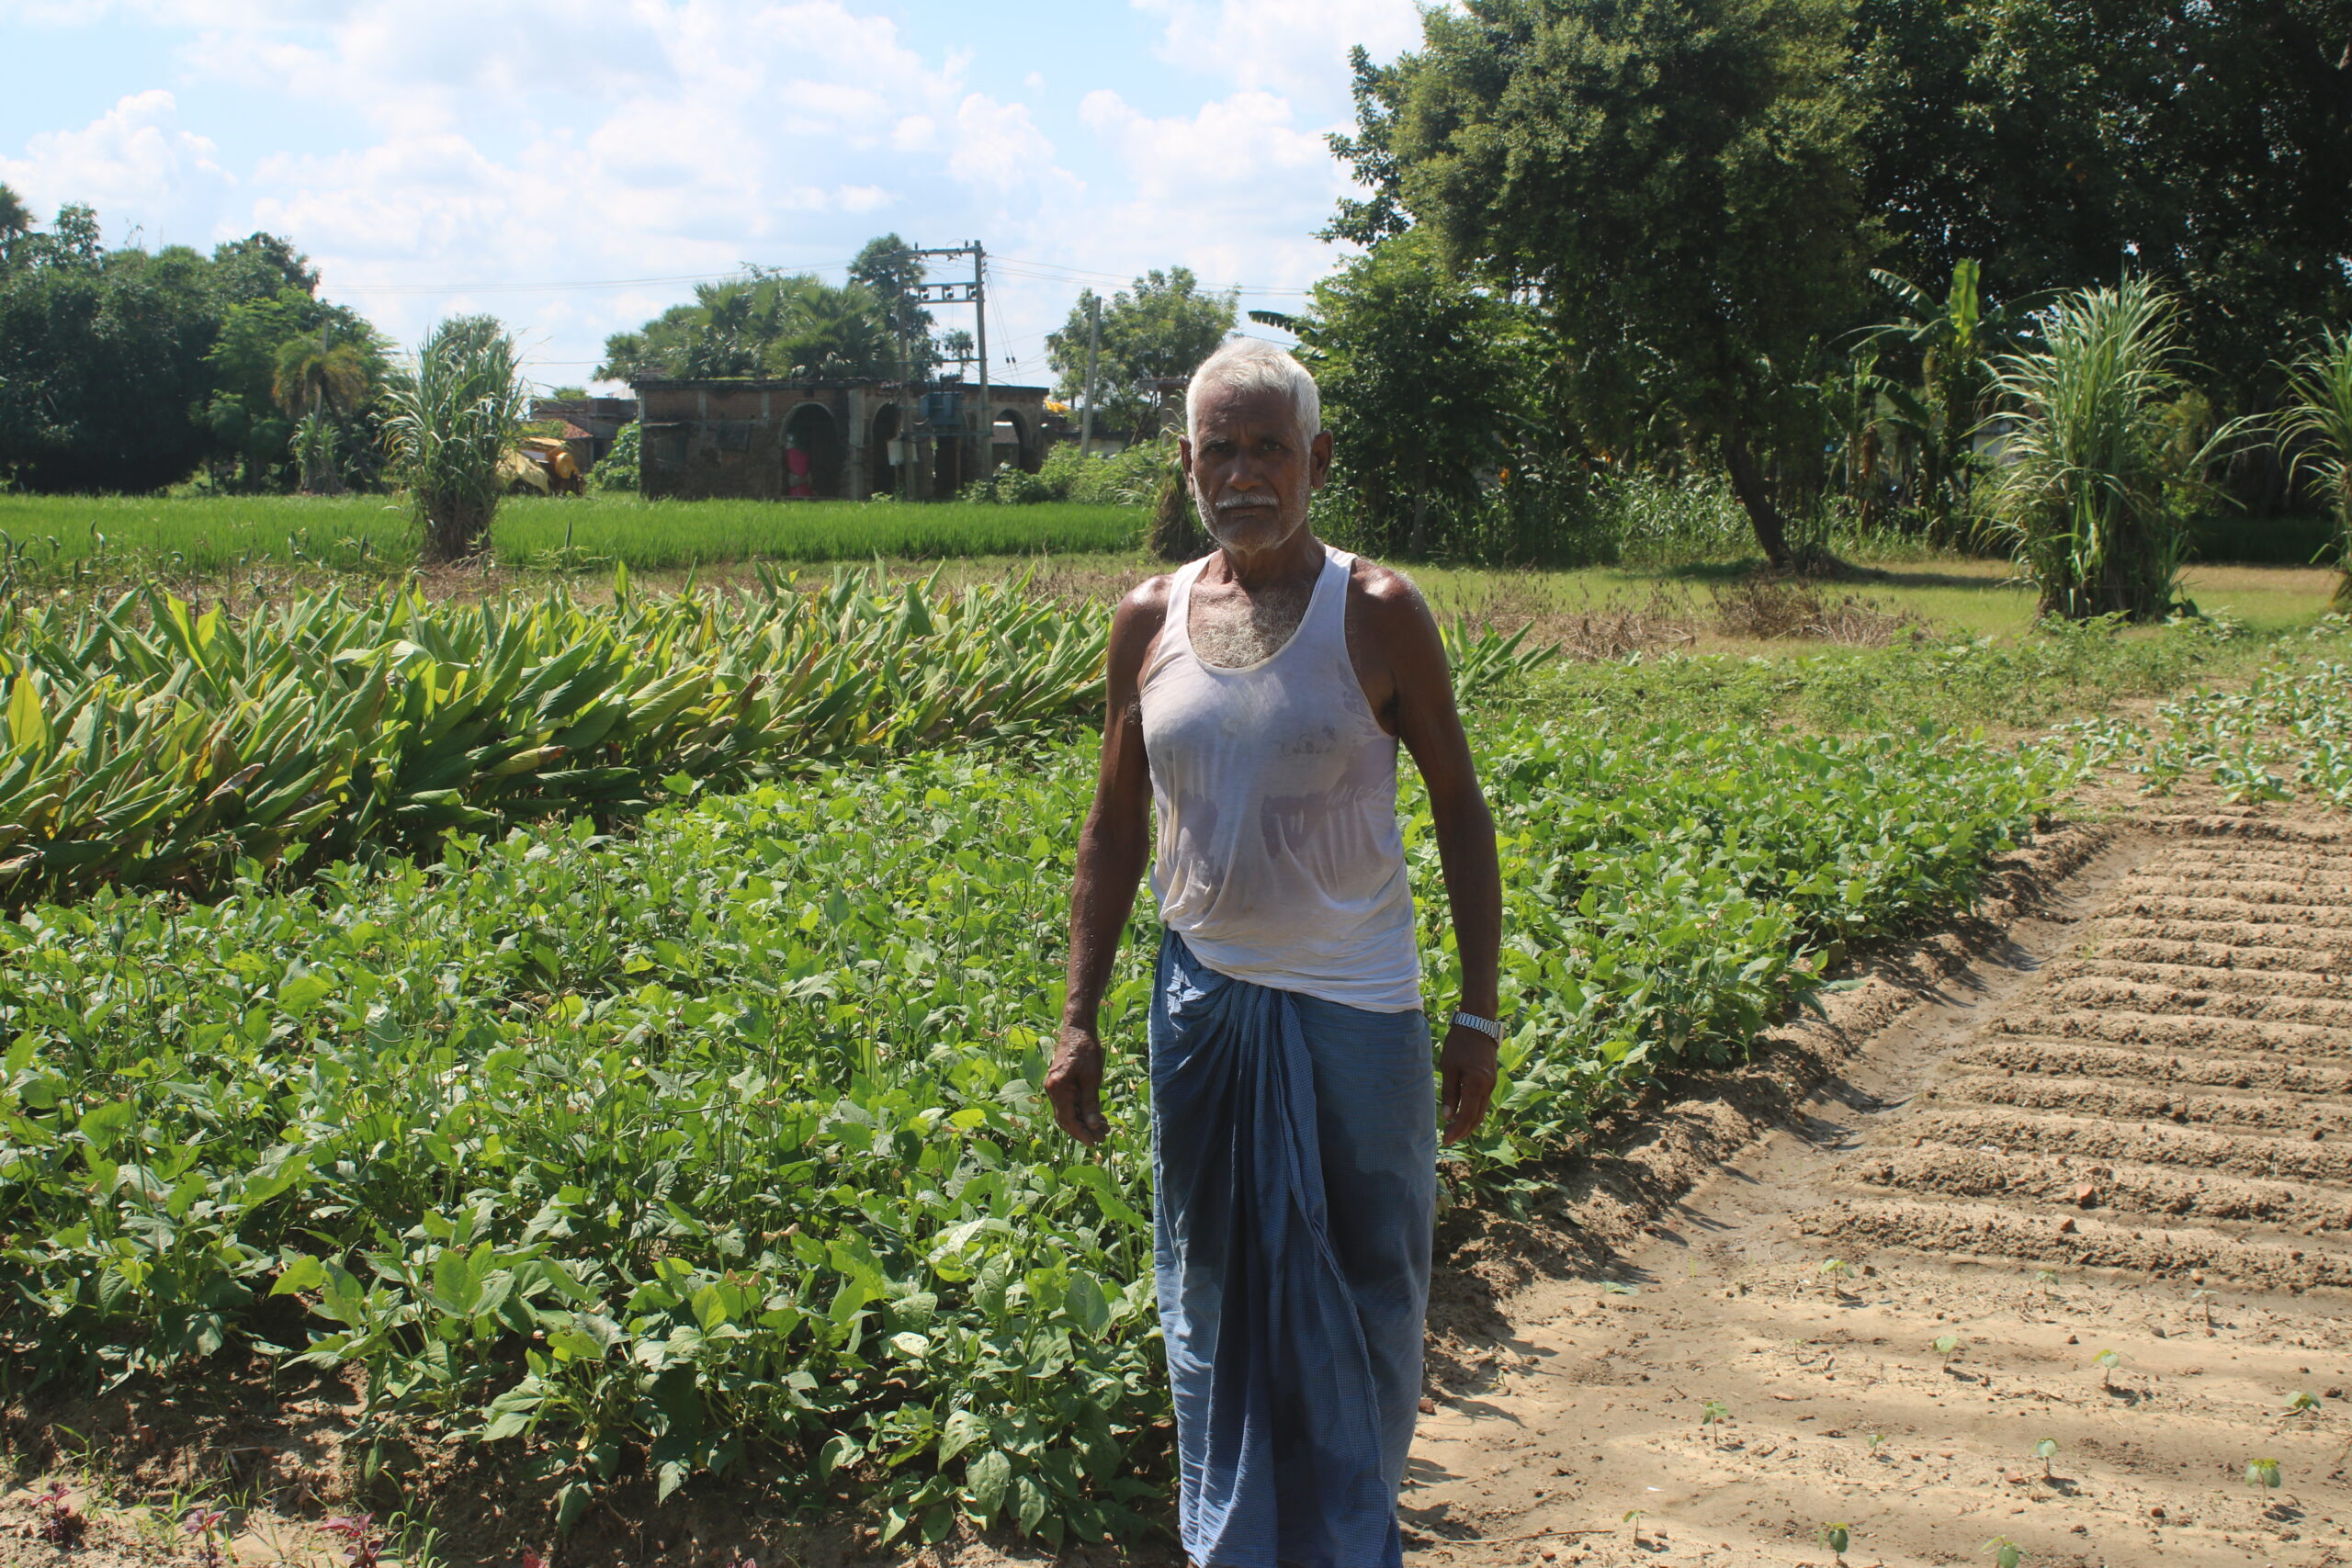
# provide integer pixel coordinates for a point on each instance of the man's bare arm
(1431, 727)
(1112, 850)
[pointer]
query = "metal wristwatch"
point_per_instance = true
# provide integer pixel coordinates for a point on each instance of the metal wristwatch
(1491, 1028)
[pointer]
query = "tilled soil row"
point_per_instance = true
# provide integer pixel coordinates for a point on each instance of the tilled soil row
(2133, 1132)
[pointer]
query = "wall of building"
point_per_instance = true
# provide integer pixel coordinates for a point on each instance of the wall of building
(709, 438)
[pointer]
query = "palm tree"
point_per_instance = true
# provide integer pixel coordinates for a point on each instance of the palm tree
(451, 422)
(1955, 340)
(314, 377)
(2318, 421)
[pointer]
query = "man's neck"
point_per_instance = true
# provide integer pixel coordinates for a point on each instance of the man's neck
(1298, 559)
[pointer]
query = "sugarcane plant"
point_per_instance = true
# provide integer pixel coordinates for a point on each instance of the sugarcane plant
(2316, 425)
(2083, 496)
(452, 421)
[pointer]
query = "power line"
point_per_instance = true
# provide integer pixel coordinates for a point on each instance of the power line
(1035, 271)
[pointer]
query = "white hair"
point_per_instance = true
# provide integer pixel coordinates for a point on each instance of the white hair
(1253, 364)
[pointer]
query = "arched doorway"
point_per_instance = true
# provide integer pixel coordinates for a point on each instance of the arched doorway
(1009, 443)
(881, 478)
(811, 429)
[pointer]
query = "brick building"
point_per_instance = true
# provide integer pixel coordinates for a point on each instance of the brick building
(727, 437)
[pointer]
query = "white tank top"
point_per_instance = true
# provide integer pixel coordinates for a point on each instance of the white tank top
(1279, 857)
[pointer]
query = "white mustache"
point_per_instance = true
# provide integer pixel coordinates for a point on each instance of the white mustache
(1237, 503)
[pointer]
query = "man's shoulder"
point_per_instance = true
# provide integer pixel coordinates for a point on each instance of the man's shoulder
(1383, 592)
(1147, 601)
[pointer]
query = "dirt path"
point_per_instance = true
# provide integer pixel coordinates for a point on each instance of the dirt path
(2147, 1095)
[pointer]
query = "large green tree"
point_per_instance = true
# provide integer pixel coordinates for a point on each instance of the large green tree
(1152, 336)
(120, 369)
(2206, 144)
(765, 323)
(102, 360)
(1673, 182)
(269, 370)
(1424, 377)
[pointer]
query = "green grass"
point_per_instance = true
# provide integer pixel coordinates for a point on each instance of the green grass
(205, 537)
(2000, 683)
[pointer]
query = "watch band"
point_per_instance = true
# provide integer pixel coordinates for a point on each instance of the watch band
(1491, 1028)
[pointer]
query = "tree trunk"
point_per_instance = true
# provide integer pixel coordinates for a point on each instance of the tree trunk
(1771, 529)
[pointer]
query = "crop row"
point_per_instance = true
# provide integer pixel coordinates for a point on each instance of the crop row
(719, 1142)
(150, 743)
(2287, 733)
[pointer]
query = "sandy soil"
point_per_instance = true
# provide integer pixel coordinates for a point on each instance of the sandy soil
(2128, 1126)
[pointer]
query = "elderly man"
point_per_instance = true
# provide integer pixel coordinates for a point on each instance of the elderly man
(1257, 697)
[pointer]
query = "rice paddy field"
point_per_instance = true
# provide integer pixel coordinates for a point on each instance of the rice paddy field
(47, 536)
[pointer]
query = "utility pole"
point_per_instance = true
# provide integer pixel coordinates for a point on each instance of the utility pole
(980, 332)
(1094, 342)
(974, 294)
(905, 435)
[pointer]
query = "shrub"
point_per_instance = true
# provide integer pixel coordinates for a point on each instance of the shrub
(619, 469)
(450, 424)
(2319, 418)
(2082, 500)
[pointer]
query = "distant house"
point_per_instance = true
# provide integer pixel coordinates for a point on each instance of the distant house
(728, 437)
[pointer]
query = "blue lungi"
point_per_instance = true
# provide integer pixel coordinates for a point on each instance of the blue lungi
(1295, 1154)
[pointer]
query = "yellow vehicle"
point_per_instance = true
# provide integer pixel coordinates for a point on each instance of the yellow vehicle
(541, 465)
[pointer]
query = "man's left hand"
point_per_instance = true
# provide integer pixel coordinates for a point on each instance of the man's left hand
(1466, 1071)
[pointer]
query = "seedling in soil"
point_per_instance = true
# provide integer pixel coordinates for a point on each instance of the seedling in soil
(2262, 1474)
(2204, 1299)
(2107, 1361)
(362, 1542)
(2046, 1450)
(2004, 1551)
(202, 1523)
(58, 1521)
(1878, 1441)
(1634, 1517)
(1618, 1287)
(1714, 1413)
(1836, 1270)
(1833, 1537)
(1945, 1345)
(2048, 1279)
(2305, 1402)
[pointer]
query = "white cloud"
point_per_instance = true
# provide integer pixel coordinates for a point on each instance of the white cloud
(1298, 47)
(435, 142)
(1235, 191)
(134, 164)
(997, 144)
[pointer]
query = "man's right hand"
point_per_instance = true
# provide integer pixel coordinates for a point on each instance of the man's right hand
(1074, 1086)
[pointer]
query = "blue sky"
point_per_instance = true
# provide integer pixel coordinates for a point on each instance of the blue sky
(434, 155)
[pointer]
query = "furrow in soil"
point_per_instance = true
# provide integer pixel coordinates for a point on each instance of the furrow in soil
(2096, 1190)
